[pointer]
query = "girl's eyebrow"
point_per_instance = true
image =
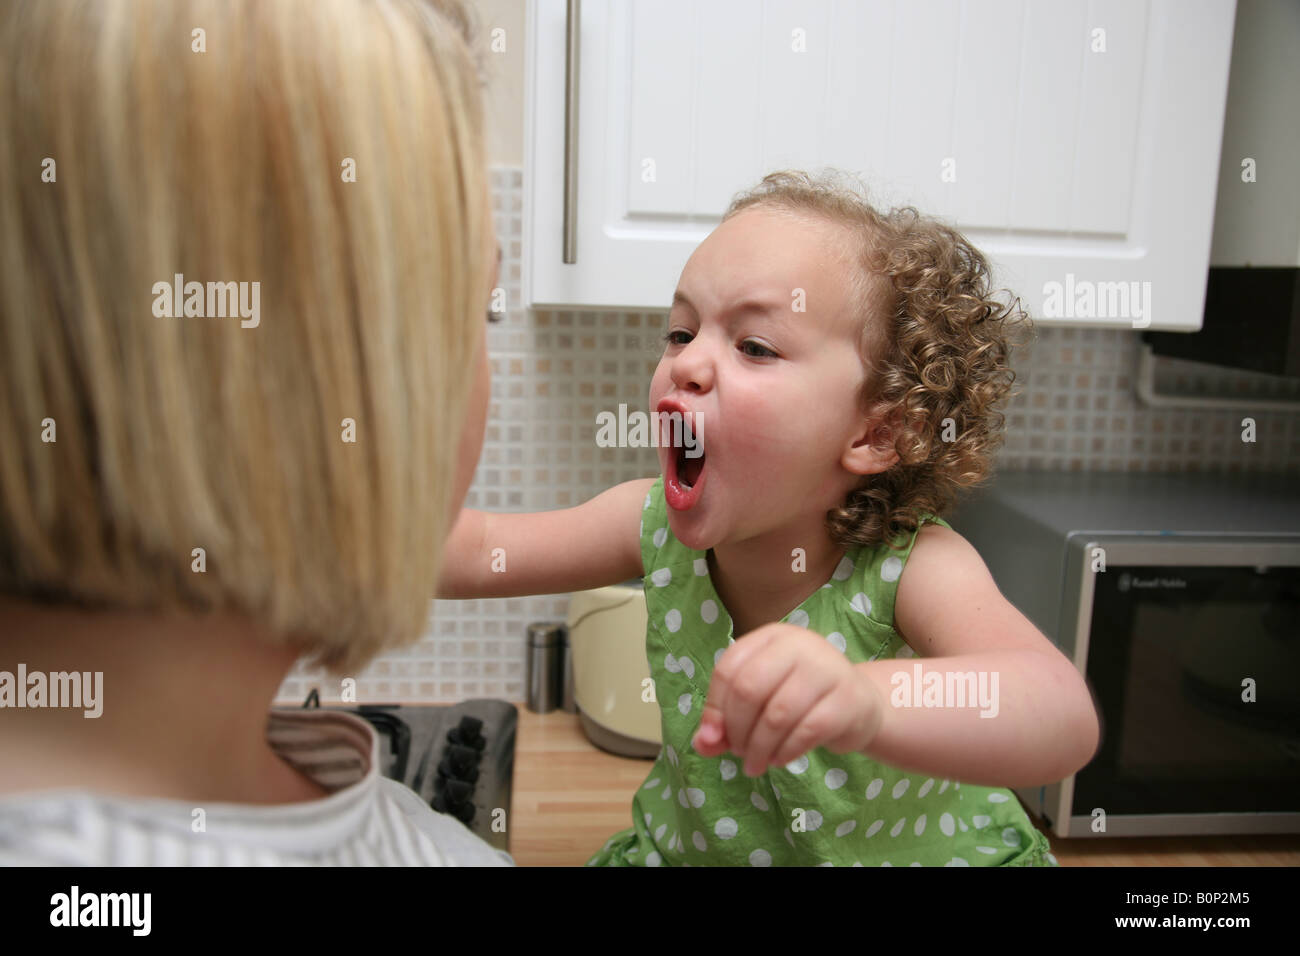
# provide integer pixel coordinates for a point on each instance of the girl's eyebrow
(747, 306)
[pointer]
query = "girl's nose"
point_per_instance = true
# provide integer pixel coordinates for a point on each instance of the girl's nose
(692, 367)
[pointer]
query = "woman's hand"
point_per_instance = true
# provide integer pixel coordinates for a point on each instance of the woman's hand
(781, 691)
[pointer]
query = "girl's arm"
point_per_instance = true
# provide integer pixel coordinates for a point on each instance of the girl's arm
(951, 613)
(597, 543)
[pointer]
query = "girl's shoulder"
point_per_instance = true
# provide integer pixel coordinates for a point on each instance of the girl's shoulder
(878, 569)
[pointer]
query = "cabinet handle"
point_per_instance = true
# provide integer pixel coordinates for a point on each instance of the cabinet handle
(573, 31)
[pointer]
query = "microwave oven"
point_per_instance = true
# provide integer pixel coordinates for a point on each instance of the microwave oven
(1177, 596)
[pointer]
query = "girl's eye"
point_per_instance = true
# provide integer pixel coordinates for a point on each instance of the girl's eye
(763, 350)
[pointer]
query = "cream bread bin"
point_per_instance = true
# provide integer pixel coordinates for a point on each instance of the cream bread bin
(610, 672)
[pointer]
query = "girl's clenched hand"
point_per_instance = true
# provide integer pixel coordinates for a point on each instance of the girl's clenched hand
(781, 691)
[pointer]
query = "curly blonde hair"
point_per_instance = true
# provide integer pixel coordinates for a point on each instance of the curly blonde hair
(935, 344)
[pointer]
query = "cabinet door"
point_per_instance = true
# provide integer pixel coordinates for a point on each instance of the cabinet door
(1076, 143)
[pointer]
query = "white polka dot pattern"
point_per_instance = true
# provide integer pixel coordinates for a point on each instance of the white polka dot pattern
(820, 808)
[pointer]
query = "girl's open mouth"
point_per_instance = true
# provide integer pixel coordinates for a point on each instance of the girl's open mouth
(684, 480)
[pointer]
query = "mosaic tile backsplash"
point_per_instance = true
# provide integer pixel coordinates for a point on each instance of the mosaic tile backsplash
(1076, 408)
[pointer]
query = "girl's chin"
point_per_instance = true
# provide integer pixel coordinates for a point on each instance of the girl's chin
(689, 532)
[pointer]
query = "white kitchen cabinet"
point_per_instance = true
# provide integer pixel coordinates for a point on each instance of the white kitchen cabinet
(1074, 142)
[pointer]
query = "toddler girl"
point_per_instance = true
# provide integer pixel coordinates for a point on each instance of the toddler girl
(840, 370)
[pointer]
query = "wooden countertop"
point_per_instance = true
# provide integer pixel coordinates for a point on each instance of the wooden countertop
(569, 797)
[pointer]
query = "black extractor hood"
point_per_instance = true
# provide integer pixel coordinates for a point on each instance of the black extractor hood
(1252, 321)
(1252, 292)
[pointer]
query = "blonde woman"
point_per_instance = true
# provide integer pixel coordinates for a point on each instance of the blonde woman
(245, 250)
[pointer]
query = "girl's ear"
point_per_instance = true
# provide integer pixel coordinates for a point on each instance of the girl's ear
(872, 448)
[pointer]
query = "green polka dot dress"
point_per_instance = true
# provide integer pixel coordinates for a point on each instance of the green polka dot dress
(822, 809)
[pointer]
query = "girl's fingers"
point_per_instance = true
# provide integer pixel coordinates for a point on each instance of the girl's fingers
(722, 704)
(827, 713)
(786, 713)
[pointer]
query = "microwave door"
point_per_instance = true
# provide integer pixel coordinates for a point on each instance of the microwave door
(1193, 652)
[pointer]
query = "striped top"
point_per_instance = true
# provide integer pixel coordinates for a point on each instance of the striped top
(366, 820)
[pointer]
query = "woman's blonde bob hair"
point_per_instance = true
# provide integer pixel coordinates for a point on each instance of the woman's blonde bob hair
(142, 140)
